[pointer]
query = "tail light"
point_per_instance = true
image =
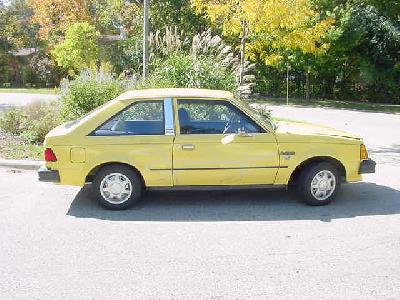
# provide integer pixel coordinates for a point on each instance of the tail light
(49, 155)
(363, 152)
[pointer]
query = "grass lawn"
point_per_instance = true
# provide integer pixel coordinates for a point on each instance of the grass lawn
(351, 105)
(14, 147)
(29, 91)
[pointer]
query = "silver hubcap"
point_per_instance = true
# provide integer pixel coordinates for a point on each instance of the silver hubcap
(323, 185)
(116, 188)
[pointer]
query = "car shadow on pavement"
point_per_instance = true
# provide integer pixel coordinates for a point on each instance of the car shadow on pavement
(358, 199)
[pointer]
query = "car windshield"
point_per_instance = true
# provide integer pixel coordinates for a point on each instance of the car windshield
(260, 116)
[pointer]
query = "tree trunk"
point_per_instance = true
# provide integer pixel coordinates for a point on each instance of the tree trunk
(308, 86)
(287, 84)
(298, 86)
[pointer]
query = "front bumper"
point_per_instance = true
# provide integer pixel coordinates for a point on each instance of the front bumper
(367, 166)
(47, 175)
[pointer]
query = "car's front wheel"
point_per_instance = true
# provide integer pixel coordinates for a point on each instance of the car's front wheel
(319, 184)
(117, 187)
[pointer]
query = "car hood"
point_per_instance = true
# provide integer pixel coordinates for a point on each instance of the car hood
(301, 128)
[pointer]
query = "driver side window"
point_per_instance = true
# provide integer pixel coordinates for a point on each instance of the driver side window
(213, 117)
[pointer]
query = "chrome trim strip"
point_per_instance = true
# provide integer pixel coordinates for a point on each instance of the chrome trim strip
(233, 168)
(205, 169)
(169, 116)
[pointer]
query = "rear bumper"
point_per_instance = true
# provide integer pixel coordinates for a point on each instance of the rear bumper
(47, 175)
(367, 166)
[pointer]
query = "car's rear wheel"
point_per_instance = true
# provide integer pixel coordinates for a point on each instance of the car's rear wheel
(318, 184)
(117, 187)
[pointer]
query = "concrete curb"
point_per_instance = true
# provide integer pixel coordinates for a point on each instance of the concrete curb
(21, 164)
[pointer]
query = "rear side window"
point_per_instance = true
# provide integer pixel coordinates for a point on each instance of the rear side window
(141, 118)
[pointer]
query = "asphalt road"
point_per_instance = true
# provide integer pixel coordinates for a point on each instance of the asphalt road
(55, 242)
(8, 100)
(380, 131)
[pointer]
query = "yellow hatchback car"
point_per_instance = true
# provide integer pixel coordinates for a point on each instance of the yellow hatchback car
(193, 138)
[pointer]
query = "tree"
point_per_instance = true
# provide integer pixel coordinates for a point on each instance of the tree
(4, 20)
(268, 24)
(115, 16)
(79, 49)
(4, 44)
(55, 16)
(362, 62)
(176, 13)
(17, 28)
(108, 16)
(16, 32)
(368, 47)
(389, 8)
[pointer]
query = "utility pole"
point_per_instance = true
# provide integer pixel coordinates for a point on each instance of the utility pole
(287, 83)
(146, 31)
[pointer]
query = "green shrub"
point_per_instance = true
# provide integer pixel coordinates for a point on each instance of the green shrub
(206, 51)
(33, 121)
(86, 92)
(10, 121)
(183, 71)
(40, 118)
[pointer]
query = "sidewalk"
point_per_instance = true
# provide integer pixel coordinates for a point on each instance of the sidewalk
(21, 164)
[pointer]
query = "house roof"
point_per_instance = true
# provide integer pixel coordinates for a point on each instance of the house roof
(111, 37)
(23, 51)
(175, 93)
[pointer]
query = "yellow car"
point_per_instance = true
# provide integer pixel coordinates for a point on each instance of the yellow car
(193, 138)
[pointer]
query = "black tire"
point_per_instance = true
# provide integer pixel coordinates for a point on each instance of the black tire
(135, 184)
(304, 189)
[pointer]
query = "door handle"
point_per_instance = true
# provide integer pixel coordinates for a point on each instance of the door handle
(188, 147)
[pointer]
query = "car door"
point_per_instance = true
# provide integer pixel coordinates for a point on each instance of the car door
(218, 144)
(140, 135)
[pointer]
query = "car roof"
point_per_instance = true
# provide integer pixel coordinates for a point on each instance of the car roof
(175, 93)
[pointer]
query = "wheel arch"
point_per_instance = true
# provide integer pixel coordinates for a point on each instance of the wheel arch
(314, 160)
(92, 173)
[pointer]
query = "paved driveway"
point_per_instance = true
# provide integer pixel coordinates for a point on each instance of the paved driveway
(55, 242)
